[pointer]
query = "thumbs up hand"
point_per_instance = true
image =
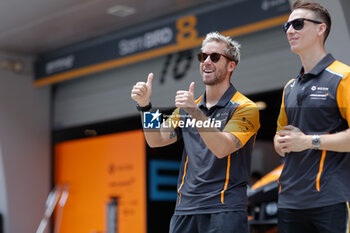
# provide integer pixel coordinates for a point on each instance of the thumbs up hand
(142, 91)
(185, 99)
(191, 89)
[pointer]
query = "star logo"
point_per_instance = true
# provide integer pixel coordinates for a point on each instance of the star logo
(155, 115)
(151, 120)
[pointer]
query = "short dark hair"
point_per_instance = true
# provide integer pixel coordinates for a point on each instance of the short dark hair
(321, 13)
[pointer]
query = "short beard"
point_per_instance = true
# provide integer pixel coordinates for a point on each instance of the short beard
(217, 79)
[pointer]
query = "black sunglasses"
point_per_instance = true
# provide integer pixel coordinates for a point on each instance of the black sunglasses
(298, 24)
(214, 57)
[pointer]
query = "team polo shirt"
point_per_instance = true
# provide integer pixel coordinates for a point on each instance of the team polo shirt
(207, 184)
(317, 102)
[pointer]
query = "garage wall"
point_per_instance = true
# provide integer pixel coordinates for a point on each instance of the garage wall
(346, 6)
(24, 148)
(339, 37)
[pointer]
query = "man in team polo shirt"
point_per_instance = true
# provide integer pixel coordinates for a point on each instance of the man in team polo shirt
(218, 131)
(313, 131)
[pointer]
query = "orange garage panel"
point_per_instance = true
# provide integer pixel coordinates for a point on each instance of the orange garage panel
(97, 169)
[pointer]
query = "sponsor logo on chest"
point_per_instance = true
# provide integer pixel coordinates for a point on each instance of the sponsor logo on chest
(319, 93)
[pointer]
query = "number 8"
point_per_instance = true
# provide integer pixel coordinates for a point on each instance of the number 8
(186, 29)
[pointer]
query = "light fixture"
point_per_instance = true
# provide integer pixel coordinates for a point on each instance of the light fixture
(261, 105)
(121, 10)
(271, 209)
(14, 66)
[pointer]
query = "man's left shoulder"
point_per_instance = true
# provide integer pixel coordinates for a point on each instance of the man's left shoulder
(340, 69)
(242, 100)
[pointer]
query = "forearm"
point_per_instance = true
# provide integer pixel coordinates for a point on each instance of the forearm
(293, 140)
(159, 137)
(219, 143)
(339, 142)
(154, 138)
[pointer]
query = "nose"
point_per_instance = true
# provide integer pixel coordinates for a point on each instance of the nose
(207, 60)
(290, 30)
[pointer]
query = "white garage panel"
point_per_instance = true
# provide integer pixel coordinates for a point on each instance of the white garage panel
(266, 64)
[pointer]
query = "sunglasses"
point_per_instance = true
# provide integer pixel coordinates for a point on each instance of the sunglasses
(214, 57)
(298, 24)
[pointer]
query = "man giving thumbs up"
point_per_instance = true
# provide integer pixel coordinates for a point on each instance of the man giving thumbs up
(218, 131)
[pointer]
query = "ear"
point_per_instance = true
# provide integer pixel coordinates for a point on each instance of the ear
(322, 29)
(231, 66)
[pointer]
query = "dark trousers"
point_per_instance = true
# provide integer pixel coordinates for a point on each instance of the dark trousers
(328, 219)
(226, 222)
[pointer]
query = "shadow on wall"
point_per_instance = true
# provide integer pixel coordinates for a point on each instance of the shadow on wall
(3, 204)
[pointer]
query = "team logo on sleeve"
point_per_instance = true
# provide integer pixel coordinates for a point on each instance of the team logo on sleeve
(151, 120)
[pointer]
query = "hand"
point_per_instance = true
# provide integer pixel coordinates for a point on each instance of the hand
(185, 99)
(292, 139)
(142, 91)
